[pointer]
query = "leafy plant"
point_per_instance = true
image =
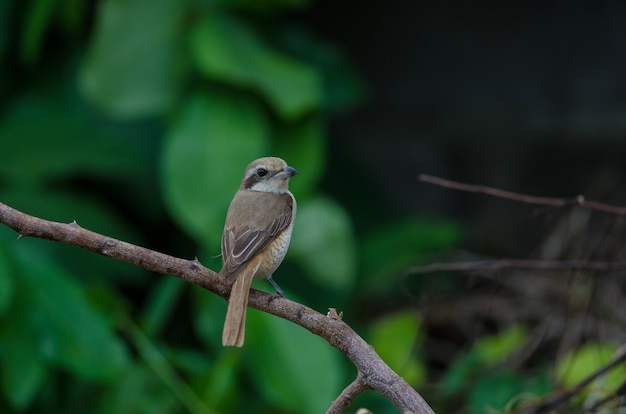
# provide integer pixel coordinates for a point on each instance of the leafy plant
(174, 99)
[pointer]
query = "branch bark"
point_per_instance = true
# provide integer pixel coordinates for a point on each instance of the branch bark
(579, 200)
(490, 265)
(355, 388)
(373, 372)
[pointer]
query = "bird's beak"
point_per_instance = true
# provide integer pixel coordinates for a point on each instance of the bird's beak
(286, 173)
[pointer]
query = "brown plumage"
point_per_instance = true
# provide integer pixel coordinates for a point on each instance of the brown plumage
(256, 236)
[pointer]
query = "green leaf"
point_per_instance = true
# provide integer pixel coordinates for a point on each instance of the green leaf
(493, 391)
(303, 146)
(89, 213)
(191, 361)
(39, 15)
(6, 280)
(459, 371)
(486, 352)
(207, 149)
(160, 304)
(323, 243)
(75, 335)
(23, 370)
(162, 368)
(209, 312)
(138, 391)
(73, 15)
(393, 248)
(225, 49)
(396, 338)
(131, 69)
(67, 207)
(287, 362)
(578, 364)
(343, 86)
(498, 347)
(219, 385)
(70, 145)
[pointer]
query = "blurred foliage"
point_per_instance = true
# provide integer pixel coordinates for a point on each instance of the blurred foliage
(580, 363)
(136, 118)
(488, 382)
(400, 354)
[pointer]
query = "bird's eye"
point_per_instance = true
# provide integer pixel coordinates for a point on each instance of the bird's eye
(261, 172)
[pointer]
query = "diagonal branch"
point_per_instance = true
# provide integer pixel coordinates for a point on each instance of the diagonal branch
(579, 200)
(619, 392)
(373, 371)
(346, 397)
(551, 404)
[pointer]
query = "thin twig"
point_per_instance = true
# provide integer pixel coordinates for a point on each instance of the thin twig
(549, 405)
(519, 264)
(621, 390)
(346, 397)
(337, 333)
(579, 200)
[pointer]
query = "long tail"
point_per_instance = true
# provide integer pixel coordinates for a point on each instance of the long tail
(235, 324)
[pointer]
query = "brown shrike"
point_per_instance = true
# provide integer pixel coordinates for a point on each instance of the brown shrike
(256, 236)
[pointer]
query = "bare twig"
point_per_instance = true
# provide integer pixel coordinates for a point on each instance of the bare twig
(346, 397)
(373, 371)
(579, 200)
(519, 264)
(620, 391)
(564, 396)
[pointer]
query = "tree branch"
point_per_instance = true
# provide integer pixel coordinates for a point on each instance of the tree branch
(551, 404)
(519, 264)
(579, 200)
(619, 392)
(346, 397)
(372, 370)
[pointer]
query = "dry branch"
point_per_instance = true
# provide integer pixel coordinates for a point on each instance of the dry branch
(490, 265)
(355, 388)
(564, 396)
(486, 265)
(550, 403)
(372, 371)
(579, 200)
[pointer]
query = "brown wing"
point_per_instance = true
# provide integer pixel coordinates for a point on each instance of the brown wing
(249, 229)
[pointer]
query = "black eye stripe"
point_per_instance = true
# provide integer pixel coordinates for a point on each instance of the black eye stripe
(255, 175)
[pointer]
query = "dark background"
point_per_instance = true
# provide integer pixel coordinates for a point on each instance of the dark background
(512, 94)
(525, 97)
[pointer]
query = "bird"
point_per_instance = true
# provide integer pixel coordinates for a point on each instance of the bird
(256, 237)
